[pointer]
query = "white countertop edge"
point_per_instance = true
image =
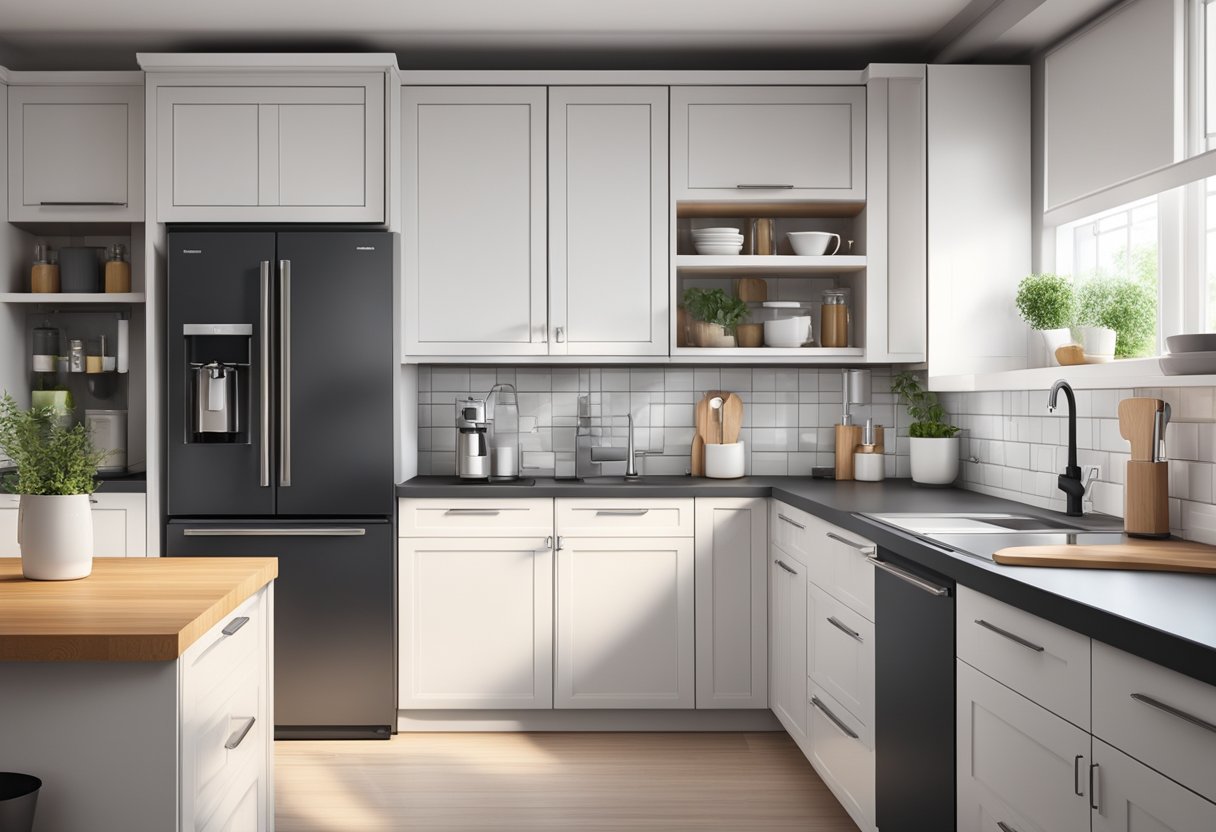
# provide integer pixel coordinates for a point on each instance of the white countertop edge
(1125, 374)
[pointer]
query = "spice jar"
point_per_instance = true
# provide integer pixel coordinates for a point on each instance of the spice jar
(44, 275)
(118, 270)
(76, 356)
(834, 319)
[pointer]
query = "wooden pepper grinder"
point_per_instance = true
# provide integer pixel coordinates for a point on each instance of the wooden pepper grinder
(1146, 510)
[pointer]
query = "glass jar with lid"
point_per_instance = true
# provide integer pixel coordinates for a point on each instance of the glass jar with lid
(834, 319)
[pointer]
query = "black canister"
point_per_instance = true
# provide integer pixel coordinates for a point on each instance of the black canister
(18, 799)
(80, 269)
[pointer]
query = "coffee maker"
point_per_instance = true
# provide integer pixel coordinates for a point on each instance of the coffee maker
(472, 449)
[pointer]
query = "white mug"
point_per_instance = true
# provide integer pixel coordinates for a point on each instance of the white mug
(814, 243)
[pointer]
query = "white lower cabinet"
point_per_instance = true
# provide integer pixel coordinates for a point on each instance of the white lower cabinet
(1018, 764)
(476, 622)
(625, 623)
(787, 646)
(118, 525)
(1131, 797)
(842, 751)
(732, 602)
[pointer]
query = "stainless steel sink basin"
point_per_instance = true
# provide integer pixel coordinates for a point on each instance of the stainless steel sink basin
(970, 523)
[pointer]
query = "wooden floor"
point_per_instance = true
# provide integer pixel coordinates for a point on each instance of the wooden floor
(553, 781)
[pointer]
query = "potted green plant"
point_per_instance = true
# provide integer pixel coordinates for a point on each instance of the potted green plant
(54, 471)
(1048, 304)
(1118, 317)
(934, 441)
(715, 315)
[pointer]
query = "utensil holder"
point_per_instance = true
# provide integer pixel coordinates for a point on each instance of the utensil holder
(1146, 506)
(724, 462)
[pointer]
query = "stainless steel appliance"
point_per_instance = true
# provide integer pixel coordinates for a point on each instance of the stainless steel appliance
(284, 343)
(472, 449)
(981, 535)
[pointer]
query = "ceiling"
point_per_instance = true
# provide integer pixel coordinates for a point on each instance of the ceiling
(85, 34)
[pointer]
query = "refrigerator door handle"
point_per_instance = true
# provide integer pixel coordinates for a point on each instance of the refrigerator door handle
(284, 373)
(274, 532)
(264, 381)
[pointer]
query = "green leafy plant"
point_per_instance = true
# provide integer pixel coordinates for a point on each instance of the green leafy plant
(1046, 301)
(49, 458)
(714, 306)
(1129, 307)
(928, 415)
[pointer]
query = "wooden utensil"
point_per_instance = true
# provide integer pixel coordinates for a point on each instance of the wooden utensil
(1149, 555)
(701, 418)
(715, 407)
(732, 419)
(751, 290)
(697, 464)
(1137, 424)
(1070, 355)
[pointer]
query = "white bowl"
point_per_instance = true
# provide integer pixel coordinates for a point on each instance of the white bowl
(717, 236)
(736, 240)
(718, 230)
(787, 332)
(718, 249)
(813, 243)
(724, 462)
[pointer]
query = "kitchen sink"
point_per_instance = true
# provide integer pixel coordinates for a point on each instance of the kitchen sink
(932, 525)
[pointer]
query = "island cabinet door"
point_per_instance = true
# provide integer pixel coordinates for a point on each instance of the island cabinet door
(625, 623)
(476, 623)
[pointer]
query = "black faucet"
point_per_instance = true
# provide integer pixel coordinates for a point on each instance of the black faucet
(1070, 481)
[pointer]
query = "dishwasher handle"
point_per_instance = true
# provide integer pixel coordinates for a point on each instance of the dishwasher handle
(915, 580)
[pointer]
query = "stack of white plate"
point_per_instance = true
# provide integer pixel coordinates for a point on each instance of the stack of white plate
(1190, 355)
(717, 240)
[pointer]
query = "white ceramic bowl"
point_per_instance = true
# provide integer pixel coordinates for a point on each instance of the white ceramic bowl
(813, 243)
(724, 462)
(787, 332)
(719, 249)
(702, 237)
(718, 230)
(1192, 342)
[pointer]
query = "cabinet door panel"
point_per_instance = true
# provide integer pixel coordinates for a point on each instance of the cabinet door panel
(474, 208)
(118, 526)
(608, 220)
(321, 154)
(1134, 798)
(787, 684)
(476, 623)
(842, 751)
(215, 154)
(625, 623)
(1014, 754)
(840, 653)
(732, 614)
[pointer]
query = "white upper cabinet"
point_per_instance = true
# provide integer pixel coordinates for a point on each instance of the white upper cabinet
(291, 153)
(608, 221)
(76, 153)
(474, 221)
(768, 143)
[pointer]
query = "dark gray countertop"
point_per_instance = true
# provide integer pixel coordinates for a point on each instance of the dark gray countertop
(118, 484)
(1168, 618)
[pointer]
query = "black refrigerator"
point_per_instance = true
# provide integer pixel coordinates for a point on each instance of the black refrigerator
(280, 442)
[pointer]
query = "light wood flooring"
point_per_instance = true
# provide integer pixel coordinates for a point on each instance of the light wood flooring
(590, 782)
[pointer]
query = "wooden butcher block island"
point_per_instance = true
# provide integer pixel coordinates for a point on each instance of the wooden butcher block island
(142, 695)
(1147, 555)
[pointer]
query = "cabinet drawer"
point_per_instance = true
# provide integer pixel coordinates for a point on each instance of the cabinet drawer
(624, 518)
(226, 741)
(840, 653)
(1162, 718)
(465, 517)
(843, 566)
(236, 640)
(842, 751)
(1044, 662)
(790, 530)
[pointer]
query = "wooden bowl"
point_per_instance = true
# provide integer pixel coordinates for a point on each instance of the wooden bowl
(750, 335)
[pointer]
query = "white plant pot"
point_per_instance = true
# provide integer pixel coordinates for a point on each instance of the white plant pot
(1098, 341)
(1053, 339)
(55, 534)
(935, 461)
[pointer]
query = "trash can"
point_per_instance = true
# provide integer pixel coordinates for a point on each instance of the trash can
(18, 797)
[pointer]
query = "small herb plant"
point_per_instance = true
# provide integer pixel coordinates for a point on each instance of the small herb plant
(928, 415)
(1047, 301)
(1129, 307)
(714, 306)
(49, 458)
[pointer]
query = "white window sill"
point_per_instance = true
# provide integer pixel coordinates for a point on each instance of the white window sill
(1128, 373)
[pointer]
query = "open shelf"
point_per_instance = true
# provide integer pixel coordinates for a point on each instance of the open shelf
(770, 352)
(761, 208)
(774, 265)
(66, 298)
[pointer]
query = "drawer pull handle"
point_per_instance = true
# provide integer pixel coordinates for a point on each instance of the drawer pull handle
(908, 577)
(238, 736)
(793, 523)
(1004, 827)
(234, 625)
(865, 548)
(621, 512)
(474, 512)
(1076, 776)
(844, 628)
(1016, 639)
(274, 532)
(786, 567)
(1172, 711)
(747, 187)
(1094, 777)
(849, 732)
(559, 544)
(62, 204)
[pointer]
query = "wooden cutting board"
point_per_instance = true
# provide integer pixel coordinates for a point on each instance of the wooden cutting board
(706, 422)
(1146, 555)
(732, 419)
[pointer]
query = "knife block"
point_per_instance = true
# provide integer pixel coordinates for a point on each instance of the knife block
(848, 437)
(1146, 499)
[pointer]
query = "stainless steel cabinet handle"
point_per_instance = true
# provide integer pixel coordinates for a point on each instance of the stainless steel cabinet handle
(1076, 776)
(234, 625)
(559, 544)
(106, 204)
(786, 567)
(549, 542)
(1094, 776)
(264, 381)
(908, 577)
(274, 532)
(621, 512)
(284, 373)
(1004, 827)
(793, 523)
(474, 512)
(239, 734)
(864, 548)
(1016, 639)
(560, 334)
(835, 719)
(844, 628)
(1198, 722)
(764, 187)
